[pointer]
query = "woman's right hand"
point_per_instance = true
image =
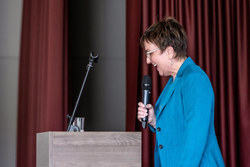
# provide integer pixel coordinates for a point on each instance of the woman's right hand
(142, 113)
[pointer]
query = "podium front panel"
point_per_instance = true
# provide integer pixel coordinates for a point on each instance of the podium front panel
(80, 149)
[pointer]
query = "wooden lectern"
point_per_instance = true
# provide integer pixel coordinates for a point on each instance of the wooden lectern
(80, 149)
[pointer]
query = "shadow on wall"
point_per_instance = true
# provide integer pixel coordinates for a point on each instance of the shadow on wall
(98, 26)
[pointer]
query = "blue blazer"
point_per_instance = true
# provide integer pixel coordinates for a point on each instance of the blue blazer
(185, 134)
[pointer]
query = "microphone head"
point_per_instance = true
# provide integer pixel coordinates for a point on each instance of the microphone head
(93, 58)
(146, 82)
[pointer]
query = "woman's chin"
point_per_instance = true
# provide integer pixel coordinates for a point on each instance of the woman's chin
(160, 73)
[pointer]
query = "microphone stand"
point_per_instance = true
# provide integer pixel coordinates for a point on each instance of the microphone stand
(92, 59)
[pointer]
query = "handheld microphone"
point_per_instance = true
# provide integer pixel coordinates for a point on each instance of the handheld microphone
(146, 91)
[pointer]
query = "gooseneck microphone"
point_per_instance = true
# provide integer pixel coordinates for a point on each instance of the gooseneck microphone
(92, 59)
(146, 91)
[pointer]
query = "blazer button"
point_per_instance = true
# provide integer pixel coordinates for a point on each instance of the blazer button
(161, 146)
(158, 129)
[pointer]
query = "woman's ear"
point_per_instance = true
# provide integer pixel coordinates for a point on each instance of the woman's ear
(170, 52)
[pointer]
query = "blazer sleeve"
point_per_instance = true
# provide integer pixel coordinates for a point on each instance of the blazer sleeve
(198, 104)
(152, 128)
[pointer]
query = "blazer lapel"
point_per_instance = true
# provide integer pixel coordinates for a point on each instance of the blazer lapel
(166, 98)
(166, 94)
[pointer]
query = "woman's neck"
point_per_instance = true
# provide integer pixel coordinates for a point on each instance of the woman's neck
(177, 63)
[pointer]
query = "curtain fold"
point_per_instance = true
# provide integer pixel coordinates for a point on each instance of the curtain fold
(218, 40)
(43, 75)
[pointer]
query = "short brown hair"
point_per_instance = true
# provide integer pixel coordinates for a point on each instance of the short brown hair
(167, 32)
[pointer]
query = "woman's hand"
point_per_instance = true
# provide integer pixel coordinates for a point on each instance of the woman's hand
(142, 113)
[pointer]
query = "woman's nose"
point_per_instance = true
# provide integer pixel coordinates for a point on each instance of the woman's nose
(148, 61)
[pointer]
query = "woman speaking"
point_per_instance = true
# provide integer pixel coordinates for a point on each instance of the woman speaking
(183, 116)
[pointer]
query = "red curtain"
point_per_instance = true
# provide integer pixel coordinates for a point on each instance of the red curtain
(218, 41)
(42, 104)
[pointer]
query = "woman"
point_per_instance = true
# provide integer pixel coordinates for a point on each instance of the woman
(183, 116)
